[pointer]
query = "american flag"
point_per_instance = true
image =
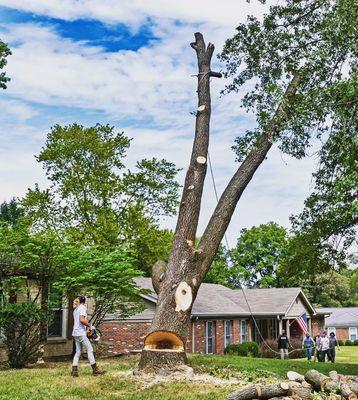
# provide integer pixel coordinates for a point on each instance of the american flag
(302, 322)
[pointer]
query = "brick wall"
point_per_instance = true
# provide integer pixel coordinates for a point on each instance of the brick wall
(236, 331)
(126, 336)
(317, 325)
(219, 337)
(199, 337)
(122, 337)
(342, 333)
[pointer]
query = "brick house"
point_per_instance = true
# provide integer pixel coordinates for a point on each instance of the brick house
(343, 321)
(220, 316)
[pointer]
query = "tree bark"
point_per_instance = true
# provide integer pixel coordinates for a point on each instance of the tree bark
(169, 315)
(317, 379)
(187, 266)
(295, 376)
(44, 308)
(261, 392)
(155, 360)
(320, 381)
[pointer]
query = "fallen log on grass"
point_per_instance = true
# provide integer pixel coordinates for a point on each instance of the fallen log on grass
(295, 376)
(301, 387)
(317, 379)
(347, 392)
(348, 389)
(299, 391)
(261, 392)
(343, 378)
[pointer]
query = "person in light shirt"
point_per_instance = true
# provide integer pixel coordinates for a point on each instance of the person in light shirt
(79, 333)
(324, 347)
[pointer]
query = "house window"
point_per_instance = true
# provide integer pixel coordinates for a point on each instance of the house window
(243, 330)
(228, 326)
(210, 337)
(353, 333)
(331, 329)
(56, 324)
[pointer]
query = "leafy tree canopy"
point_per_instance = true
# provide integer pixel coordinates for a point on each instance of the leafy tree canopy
(220, 271)
(10, 211)
(330, 216)
(315, 40)
(93, 196)
(257, 255)
(4, 52)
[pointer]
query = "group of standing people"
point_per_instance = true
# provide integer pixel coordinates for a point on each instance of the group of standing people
(320, 348)
(324, 346)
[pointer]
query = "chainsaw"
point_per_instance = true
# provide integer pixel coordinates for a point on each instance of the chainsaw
(93, 334)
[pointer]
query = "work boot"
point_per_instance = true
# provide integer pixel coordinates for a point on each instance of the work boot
(74, 372)
(96, 370)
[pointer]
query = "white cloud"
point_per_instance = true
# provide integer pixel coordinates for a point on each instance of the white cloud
(152, 84)
(136, 12)
(15, 110)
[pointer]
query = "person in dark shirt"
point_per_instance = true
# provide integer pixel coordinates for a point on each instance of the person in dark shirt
(283, 344)
(333, 342)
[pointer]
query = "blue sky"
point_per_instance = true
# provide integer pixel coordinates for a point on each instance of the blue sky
(129, 64)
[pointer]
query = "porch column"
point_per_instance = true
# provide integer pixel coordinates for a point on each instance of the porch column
(288, 328)
(309, 325)
(280, 326)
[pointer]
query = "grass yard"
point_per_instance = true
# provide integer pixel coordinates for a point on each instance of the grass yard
(348, 354)
(53, 382)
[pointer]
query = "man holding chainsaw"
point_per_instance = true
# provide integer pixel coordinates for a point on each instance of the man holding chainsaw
(79, 333)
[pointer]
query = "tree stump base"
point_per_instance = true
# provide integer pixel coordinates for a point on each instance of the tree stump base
(155, 360)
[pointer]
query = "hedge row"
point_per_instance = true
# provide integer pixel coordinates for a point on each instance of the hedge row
(348, 342)
(248, 349)
(252, 349)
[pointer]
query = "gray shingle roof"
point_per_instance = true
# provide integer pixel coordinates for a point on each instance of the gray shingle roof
(275, 300)
(219, 300)
(342, 316)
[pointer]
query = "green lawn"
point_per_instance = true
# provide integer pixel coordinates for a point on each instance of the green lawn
(348, 354)
(53, 382)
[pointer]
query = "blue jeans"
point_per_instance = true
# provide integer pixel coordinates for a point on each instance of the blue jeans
(309, 353)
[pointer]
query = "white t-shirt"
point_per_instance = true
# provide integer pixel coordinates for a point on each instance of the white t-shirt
(78, 328)
(325, 343)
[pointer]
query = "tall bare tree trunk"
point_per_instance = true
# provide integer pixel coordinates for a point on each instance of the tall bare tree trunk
(178, 285)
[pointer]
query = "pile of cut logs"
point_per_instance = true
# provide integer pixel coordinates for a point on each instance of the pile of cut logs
(302, 387)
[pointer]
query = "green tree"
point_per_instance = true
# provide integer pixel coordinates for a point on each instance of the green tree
(32, 263)
(27, 268)
(353, 286)
(329, 219)
(325, 289)
(311, 40)
(220, 271)
(10, 211)
(148, 244)
(4, 52)
(106, 276)
(93, 196)
(258, 254)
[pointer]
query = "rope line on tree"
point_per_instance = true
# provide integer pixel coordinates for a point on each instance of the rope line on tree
(240, 286)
